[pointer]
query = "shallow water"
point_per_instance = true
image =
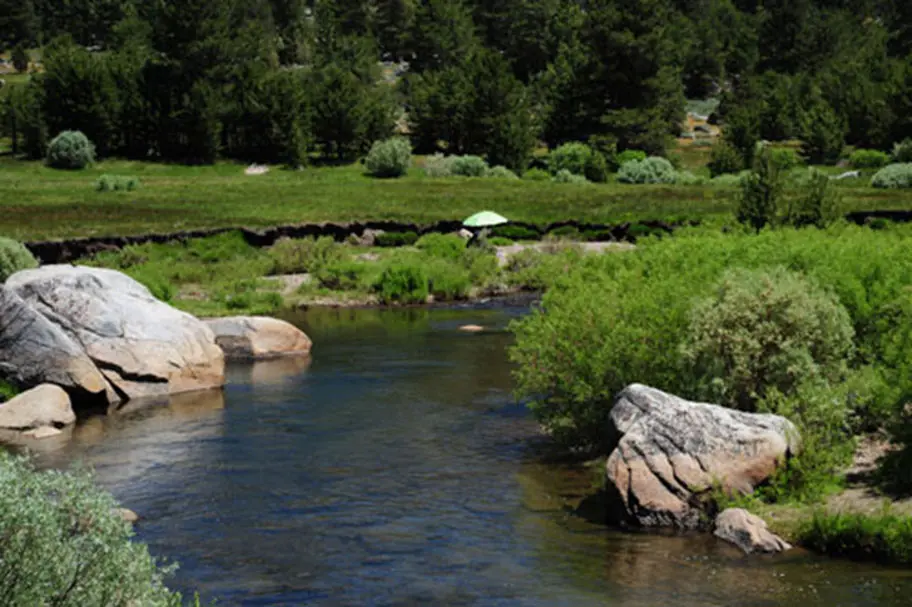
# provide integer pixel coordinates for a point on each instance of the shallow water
(394, 468)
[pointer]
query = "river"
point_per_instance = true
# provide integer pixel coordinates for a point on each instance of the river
(395, 468)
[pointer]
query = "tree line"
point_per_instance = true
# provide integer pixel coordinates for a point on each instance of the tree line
(290, 80)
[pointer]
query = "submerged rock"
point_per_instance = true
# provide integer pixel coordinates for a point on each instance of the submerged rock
(43, 407)
(126, 515)
(140, 345)
(472, 329)
(258, 338)
(748, 532)
(669, 452)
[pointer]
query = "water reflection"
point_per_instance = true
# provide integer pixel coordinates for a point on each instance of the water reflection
(394, 469)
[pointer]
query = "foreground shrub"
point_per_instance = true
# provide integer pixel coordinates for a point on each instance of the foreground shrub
(448, 281)
(438, 165)
(63, 545)
(763, 331)
(724, 160)
(572, 157)
(70, 150)
(14, 257)
(902, 151)
(565, 176)
(305, 255)
(894, 176)
(651, 170)
(501, 172)
(469, 166)
(869, 159)
(390, 158)
(116, 183)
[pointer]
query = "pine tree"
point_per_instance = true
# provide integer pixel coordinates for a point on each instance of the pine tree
(443, 35)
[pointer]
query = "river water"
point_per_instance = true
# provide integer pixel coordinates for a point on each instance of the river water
(394, 468)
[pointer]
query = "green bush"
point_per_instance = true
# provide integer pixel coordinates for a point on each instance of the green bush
(70, 150)
(729, 180)
(396, 239)
(469, 166)
(571, 157)
(764, 331)
(816, 204)
(651, 170)
(761, 193)
(443, 246)
(63, 544)
(501, 172)
(630, 156)
(885, 537)
(500, 241)
(390, 158)
(448, 281)
(20, 58)
(597, 169)
(902, 151)
(14, 257)
(869, 159)
(565, 176)
(296, 256)
(439, 165)
(116, 183)
(725, 160)
(537, 175)
(688, 178)
(344, 276)
(514, 232)
(403, 282)
(785, 159)
(894, 176)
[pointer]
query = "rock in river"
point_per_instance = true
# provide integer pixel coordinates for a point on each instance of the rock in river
(33, 351)
(258, 338)
(142, 346)
(669, 451)
(748, 532)
(43, 407)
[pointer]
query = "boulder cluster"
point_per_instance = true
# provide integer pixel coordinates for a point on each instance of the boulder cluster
(84, 337)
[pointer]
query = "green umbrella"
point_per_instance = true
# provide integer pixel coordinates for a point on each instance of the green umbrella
(484, 220)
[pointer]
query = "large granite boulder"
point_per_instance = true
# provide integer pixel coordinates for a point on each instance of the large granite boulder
(670, 452)
(33, 351)
(748, 532)
(46, 406)
(141, 346)
(258, 338)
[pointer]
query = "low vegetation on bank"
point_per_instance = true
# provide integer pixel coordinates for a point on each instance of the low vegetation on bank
(810, 324)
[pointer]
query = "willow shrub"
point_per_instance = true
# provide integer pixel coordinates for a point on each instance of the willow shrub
(612, 320)
(62, 544)
(14, 257)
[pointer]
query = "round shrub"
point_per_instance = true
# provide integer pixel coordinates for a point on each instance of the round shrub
(70, 150)
(729, 180)
(629, 156)
(597, 169)
(444, 246)
(537, 175)
(902, 151)
(14, 257)
(438, 165)
(725, 160)
(63, 544)
(651, 170)
(572, 157)
(403, 282)
(688, 178)
(763, 331)
(869, 159)
(894, 176)
(565, 176)
(469, 166)
(501, 172)
(390, 158)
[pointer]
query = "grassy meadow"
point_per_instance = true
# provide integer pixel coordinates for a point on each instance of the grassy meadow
(39, 203)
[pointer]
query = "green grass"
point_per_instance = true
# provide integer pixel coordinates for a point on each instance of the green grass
(884, 537)
(39, 203)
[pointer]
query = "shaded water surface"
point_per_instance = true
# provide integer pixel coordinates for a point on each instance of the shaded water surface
(395, 469)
